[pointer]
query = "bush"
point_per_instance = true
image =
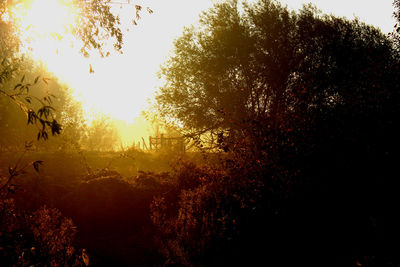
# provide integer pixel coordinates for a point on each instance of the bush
(208, 219)
(42, 238)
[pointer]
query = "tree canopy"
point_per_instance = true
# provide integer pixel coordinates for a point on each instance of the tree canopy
(263, 62)
(306, 105)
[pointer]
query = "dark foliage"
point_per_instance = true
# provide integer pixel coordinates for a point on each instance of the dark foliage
(305, 106)
(41, 238)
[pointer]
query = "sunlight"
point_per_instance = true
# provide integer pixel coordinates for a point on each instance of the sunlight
(45, 28)
(50, 17)
(121, 85)
(46, 31)
(115, 88)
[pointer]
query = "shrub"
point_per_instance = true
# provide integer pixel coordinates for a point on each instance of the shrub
(206, 222)
(42, 238)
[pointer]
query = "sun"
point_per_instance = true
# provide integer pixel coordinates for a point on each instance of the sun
(122, 85)
(47, 18)
(45, 28)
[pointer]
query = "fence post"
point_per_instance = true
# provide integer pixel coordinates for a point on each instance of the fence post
(151, 148)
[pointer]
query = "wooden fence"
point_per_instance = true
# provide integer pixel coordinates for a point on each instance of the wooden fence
(167, 143)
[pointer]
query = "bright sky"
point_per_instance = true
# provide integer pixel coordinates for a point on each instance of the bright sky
(122, 84)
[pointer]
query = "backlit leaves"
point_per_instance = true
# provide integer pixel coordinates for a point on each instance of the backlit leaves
(39, 111)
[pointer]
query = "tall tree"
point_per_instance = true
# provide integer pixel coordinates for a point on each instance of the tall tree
(269, 64)
(308, 103)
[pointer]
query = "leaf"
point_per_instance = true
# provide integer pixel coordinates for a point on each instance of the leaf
(32, 117)
(45, 80)
(55, 127)
(28, 144)
(36, 165)
(23, 78)
(37, 79)
(85, 257)
(10, 170)
(41, 135)
(43, 122)
(40, 112)
(18, 85)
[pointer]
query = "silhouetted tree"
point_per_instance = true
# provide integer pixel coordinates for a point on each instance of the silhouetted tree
(307, 103)
(269, 64)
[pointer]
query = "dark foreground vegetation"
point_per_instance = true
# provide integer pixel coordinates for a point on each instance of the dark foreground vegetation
(110, 212)
(296, 116)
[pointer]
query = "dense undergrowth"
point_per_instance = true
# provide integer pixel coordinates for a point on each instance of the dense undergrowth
(235, 210)
(103, 204)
